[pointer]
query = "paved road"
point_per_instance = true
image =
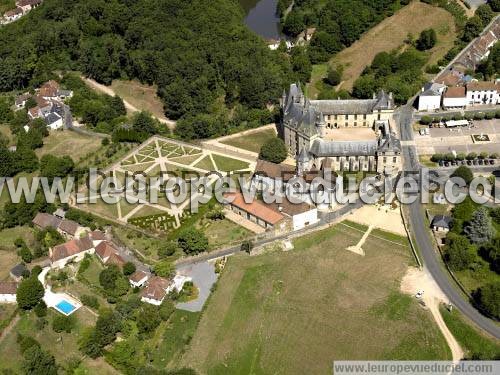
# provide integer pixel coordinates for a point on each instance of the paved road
(430, 257)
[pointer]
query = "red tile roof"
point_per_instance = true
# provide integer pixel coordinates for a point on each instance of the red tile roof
(156, 288)
(482, 86)
(256, 208)
(455, 92)
(137, 276)
(69, 226)
(116, 259)
(45, 220)
(97, 235)
(70, 248)
(7, 287)
(105, 249)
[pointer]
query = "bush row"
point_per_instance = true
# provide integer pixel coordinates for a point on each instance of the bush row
(426, 120)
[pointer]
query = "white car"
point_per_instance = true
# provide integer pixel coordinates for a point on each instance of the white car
(419, 294)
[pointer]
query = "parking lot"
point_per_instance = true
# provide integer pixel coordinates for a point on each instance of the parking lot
(444, 140)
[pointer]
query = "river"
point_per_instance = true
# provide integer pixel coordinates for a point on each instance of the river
(261, 17)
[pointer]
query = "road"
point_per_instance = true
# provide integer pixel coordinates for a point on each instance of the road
(430, 257)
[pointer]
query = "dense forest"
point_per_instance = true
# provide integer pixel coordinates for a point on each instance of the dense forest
(339, 23)
(199, 53)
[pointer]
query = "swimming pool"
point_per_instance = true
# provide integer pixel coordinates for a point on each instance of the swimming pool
(65, 307)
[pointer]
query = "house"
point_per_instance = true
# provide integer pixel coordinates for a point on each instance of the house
(97, 236)
(430, 97)
(64, 94)
(301, 214)
(70, 229)
(455, 97)
(17, 272)
(44, 220)
(54, 121)
(482, 93)
(178, 283)
(155, 290)
(13, 15)
(49, 90)
(116, 259)
(20, 101)
(441, 223)
(104, 250)
(256, 212)
(450, 78)
(27, 5)
(272, 176)
(138, 279)
(71, 251)
(8, 292)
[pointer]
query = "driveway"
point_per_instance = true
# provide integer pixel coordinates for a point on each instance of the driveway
(204, 276)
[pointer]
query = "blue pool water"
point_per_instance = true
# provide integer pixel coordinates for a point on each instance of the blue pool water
(65, 307)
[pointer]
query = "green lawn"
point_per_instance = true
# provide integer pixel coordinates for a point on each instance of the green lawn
(475, 344)
(228, 164)
(205, 164)
(296, 312)
(223, 233)
(251, 142)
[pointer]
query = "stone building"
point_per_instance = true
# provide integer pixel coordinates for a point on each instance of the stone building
(343, 135)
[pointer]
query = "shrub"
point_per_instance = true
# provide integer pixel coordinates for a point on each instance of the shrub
(62, 323)
(489, 115)
(274, 150)
(437, 158)
(426, 120)
(463, 172)
(471, 156)
(41, 309)
(168, 249)
(128, 268)
(90, 301)
(479, 116)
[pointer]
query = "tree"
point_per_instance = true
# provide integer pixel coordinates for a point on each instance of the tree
(247, 246)
(480, 230)
(148, 318)
(427, 40)
(90, 343)
(472, 28)
(192, 241)
(488, 297)
(164, 268)
(29, 293)
(25, 254)
(144, 123)
(168, 249)
(294, 24)
(495, 5)
(464, 173)
(52, 166)
(128, 268)
(167, 308)
(113, 281)
(334, 76)
(485, 13)
(38, 362)
(41, 309)
(274, 150)
(62, 323)
(459, 253)
(107, 326)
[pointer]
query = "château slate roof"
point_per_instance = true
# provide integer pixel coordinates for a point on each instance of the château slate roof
(322, 148)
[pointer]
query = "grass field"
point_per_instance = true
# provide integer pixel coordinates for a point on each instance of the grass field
(252, 142)
(222, 233)
(388, 35)
(296, 312)
(475, 344)
(140, 96)
(61, 143)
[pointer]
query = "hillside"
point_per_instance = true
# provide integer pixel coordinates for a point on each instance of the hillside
(195, 51)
